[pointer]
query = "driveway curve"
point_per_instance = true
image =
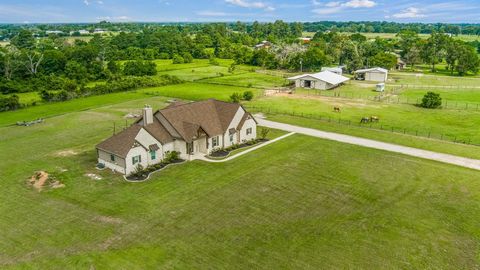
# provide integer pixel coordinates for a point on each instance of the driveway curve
(410, 151)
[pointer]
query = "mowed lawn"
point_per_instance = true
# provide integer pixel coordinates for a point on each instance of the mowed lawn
(249, 79)
(300, 203)
(199, 91)
(188, 91)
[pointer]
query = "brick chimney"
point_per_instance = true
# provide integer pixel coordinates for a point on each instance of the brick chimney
(147, 115)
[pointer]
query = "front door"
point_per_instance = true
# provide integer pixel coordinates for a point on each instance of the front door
(190, 148)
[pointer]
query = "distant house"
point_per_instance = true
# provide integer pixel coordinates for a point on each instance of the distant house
(263, 45)
(376, 74)
(55, 32)
(80, 32)
(322, 81)
(196, 128)
(305, 40)
(400, 64)
(99, 31)
(336, 70)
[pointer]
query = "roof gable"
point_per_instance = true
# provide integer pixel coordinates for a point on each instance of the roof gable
(211, 115)
(326, 76)
(121, 143)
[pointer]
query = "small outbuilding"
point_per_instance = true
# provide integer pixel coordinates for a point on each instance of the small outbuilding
(376, 74)
(322, 81)
(381, 87)
(336, 70)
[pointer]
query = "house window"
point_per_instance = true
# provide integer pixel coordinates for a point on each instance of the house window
(136, 159)
(249, 131)
(153, 154)
(215, 142)
(112, 157)
(231, 137)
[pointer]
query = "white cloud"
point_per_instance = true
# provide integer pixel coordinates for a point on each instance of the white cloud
(360, 4)
(250, 4)
(338, 6)
(409, 13)
(100, 2)
(86, 2)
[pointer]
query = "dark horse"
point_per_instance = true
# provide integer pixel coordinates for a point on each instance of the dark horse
(365, 120)
(336, 109)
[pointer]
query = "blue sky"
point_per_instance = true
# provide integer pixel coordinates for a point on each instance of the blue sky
(21, 11)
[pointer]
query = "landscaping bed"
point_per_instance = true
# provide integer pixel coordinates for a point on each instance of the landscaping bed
(142, 174)
(222, 153)
(145, 173)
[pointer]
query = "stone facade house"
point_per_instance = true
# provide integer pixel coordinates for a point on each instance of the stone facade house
(192, 129)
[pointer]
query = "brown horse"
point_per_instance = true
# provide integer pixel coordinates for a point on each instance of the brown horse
(336, 109)
(374, 119)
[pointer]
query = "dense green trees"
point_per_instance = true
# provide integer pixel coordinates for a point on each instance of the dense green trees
(431, 100)
(140, 68)
(9, 103)
(55, 63)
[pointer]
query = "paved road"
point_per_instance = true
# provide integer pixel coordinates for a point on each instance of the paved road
(445, 158)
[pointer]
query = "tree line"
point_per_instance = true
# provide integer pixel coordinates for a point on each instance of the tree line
(54, 64)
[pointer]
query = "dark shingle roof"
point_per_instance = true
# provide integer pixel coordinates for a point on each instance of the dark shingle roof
(120, 143)
(211, 115)
(159, 132)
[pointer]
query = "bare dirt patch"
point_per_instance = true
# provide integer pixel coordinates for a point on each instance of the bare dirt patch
(132, 116)
(66, 153)
(93, 176)
(41, 179)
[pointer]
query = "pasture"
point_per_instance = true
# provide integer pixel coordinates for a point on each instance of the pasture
(451, 124)
(285, 205)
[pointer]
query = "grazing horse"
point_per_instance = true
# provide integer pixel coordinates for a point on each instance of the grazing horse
(336, 109)
(365, 120)
(374, 119)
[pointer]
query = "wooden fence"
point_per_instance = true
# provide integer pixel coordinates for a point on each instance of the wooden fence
(374, 126)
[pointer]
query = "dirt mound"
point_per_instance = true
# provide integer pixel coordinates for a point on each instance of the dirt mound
(42, 179)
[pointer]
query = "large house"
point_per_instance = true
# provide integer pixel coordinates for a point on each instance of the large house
(322, 81)
(192, 129)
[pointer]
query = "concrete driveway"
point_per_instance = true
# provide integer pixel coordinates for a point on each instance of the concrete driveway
(445, 158)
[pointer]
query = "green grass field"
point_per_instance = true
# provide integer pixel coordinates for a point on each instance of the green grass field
(249, 79)
(301, 203)
(459, 125)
